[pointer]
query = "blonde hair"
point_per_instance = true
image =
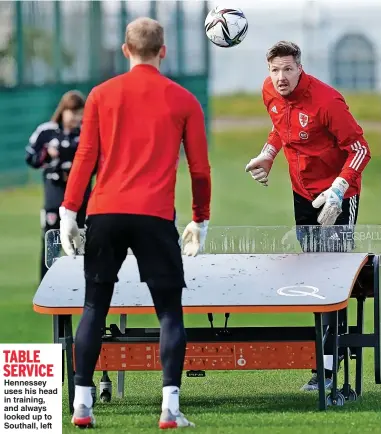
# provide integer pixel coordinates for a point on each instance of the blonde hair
(144, 37)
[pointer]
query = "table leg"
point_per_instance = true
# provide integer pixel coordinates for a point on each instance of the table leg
(121, 374)
(377, 326)
(344, 330)
(335, 348)
(58, 337)
(359, 350)
(320, 360)
(69, 358)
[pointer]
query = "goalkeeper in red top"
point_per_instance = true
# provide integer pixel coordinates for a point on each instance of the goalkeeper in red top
(326, 153)
(133, 126)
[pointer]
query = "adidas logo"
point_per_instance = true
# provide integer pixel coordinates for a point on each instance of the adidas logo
(334, 236)
(274, 110)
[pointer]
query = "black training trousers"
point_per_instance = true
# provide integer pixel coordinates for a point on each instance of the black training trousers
(337, 238)
(155, 244)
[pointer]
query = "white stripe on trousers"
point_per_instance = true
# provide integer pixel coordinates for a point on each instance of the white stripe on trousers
(352, 210)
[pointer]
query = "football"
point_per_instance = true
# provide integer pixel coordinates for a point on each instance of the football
(226, 27)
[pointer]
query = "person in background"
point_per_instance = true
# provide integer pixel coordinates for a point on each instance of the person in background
(52, 148)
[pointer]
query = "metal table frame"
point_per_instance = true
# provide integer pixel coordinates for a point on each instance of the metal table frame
(350, 340)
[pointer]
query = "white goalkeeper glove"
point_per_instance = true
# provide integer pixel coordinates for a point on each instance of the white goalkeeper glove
(260, 166)
(332, 198)
(69, 231)
(194, 237)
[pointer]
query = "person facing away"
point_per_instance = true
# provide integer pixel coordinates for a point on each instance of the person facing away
(326, 152)
(52, 148)
(133, 126)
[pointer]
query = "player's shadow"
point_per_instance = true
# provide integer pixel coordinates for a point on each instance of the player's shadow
(255, 403)
(302, 402)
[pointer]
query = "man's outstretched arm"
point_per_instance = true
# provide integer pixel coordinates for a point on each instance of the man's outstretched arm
(260, 166)
(349, 137)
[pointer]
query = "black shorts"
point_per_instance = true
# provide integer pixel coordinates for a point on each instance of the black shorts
(337, 238)
(154, 242)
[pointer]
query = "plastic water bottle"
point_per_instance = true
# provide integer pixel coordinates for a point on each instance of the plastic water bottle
(105, 388)
(94, 393)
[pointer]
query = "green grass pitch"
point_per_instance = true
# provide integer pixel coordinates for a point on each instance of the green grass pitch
(222, 402)
(364, 106)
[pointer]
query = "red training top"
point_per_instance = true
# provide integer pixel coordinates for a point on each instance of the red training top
(133, 125)
(320, 137)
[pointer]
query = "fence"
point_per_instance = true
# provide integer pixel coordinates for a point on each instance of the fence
(48, 47)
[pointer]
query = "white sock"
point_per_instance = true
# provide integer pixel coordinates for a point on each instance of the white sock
(328, 362)
(83, 396)
(171, 399)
